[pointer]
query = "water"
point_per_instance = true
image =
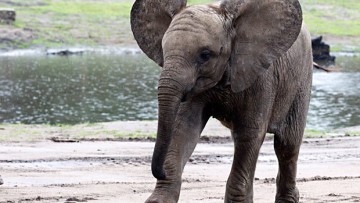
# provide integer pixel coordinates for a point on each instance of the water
(107, 87)
(75, 89)
(335, 101)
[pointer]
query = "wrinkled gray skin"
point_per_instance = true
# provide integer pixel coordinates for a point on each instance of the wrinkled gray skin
(246, 63)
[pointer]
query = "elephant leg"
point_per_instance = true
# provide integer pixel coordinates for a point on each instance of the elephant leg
(188, 126)
(287, 152)
(239, 187)
(287, 145)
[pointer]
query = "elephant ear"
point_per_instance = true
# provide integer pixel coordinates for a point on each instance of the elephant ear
(265, 30)
(149, 21)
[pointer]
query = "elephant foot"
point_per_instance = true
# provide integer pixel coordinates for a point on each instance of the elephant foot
(164, 195)
(239, 199)
(290, 197)
(286, 201)
(154, 200)
(160, 199)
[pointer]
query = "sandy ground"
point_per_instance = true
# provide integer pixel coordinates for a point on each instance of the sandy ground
(119, 172)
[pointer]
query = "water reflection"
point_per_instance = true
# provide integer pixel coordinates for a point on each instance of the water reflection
(108, 87)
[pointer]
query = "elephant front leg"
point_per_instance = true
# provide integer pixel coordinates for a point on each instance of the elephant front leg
(239, 187)
(188, 126)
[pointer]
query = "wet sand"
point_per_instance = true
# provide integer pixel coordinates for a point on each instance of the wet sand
(113, 172)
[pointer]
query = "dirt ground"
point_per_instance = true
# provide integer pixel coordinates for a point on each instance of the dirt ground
(119, 172)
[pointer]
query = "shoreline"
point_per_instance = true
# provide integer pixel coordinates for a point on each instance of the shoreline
(74, 50)
(117, 50)
(214, 132)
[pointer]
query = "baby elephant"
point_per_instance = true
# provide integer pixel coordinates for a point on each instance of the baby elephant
(248, 63)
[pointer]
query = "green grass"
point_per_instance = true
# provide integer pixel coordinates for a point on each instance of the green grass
(34, 133)
(332, 17)
(92, 23)
(195, 2)
(100, 9)
(350, 4)
(70, 23)
(352, 133)
(314, 133)
(338, 47)
(103, 9)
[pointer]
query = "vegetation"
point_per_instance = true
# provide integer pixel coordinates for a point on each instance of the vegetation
(51, 23)
(71, 23)
(98, 131)
(101, 131)
(339, 18)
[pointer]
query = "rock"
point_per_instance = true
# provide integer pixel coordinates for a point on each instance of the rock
(7, 15)
(321, 52)
(1, 181)
(65, 52)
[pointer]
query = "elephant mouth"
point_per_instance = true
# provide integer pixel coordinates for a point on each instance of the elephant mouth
(187, 95)
(184, 98)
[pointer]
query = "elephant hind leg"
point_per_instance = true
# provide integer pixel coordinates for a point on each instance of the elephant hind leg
(287, 148)
(287, 143)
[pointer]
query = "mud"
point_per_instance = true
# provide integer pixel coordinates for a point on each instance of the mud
(119, 171)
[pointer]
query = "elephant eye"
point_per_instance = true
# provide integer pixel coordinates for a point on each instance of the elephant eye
(204, 56)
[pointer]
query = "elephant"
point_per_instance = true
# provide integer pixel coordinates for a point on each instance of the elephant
(247, 63)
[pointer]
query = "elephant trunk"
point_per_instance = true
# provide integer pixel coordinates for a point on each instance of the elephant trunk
(170, 94)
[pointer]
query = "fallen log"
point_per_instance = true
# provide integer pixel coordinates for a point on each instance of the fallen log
(317, 66)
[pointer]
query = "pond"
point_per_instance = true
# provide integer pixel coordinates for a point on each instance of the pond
(98, 87)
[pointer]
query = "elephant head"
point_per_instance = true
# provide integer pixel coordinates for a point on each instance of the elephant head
(196, 45)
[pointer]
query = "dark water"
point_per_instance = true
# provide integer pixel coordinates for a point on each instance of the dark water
(108, 87)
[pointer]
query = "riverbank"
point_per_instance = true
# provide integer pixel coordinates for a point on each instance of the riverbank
(57, 24)
(128, 131)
